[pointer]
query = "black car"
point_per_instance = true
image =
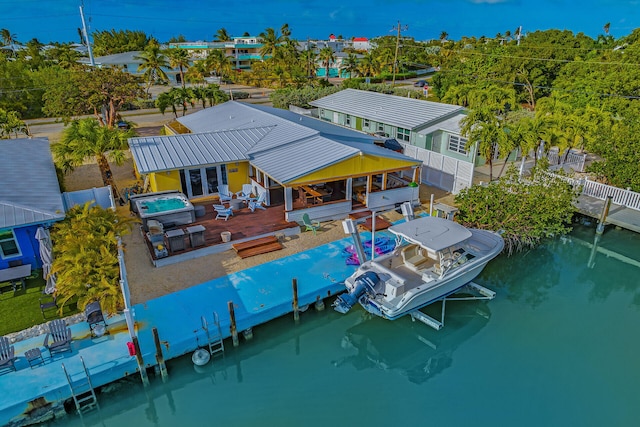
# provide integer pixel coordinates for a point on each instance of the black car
(421, 83)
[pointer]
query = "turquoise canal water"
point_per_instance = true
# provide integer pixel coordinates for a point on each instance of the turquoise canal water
(558, 346)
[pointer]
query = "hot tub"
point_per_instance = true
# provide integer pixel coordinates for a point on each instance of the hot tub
(170, 208)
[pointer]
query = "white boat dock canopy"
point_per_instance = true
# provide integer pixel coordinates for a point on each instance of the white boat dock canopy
(431, 232)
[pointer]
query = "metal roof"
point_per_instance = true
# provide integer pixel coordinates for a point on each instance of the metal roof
(296, 145)
(451, 125)
(29, 190)
(393, 110)
(162, 153)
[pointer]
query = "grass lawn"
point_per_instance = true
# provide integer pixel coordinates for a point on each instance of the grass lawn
(21, 309)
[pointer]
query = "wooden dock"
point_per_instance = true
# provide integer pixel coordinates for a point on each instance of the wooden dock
(364, 219)
(620, 216)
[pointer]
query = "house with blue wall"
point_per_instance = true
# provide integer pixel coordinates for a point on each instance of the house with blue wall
(30, 197)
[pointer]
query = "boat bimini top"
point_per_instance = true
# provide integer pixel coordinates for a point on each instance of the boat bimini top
(431, 232)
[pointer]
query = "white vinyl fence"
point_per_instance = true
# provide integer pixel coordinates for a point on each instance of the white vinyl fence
(626, 198)
(441, 171)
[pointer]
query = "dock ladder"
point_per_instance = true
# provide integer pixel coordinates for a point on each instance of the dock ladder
(215, 341)
(477, 293)
(82, 391)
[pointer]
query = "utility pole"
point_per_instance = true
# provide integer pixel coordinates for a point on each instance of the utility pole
(519, 34)
(398, 28)
(86, 37)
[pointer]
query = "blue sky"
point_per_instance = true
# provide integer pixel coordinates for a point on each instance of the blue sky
(58, 20)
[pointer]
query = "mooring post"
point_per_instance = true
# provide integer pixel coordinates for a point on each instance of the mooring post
(603, 217)
(159, 356)
(296, 309)
(141, 368)
(234, 329)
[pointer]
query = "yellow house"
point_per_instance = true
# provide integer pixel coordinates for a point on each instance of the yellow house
(304, 164)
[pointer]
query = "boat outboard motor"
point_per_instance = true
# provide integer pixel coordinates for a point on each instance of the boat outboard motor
(363, 284)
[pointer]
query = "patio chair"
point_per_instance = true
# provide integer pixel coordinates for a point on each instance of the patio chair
(224, 193)
(58, 339)
(222, 212)
(256, 203)
(7, 356)
(245, 194)
(310, 225)
(47, 302)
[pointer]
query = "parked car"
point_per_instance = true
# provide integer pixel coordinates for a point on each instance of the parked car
(420, 83)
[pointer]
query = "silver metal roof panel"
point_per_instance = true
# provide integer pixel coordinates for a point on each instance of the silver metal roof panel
(160, 153)
(30, 193)
(394, 110)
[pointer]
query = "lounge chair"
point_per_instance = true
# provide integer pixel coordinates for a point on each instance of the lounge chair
(7, 356)
(59, 337)
(222, 212)
(256, 203)
(311, 225)
(224, 193)
(245, 194)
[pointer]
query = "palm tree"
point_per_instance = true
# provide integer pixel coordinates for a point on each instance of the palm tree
(197, 72)
(607, 27)
(443, 36)
(222, 35)
(153, 64)
(10, 123)
(86, 257)
(179, 58)
(369, 65)
(218, 62)
(270, 42)
(327, 57)
(85, 139)
(350, 65)
(309, 57)
(8, 39)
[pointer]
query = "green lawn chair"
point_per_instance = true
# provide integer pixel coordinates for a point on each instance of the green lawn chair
(309, 224)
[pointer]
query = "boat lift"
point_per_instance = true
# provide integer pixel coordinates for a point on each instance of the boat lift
(477, 293)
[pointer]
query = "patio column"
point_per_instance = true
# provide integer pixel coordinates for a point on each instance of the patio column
(288, 199)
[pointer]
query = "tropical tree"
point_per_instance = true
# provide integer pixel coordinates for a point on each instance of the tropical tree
(369, 65)
(349, 65)
(179, 58)
(86, 265)
(101, 91)
(116, 41)
(153, 64)
(327, 57)
(218, 62)
(9, 40)
(270, 42)
(197, 72)
(10, 124)
(443, 36)
(222, 35)
(526, 211)
(85, 139)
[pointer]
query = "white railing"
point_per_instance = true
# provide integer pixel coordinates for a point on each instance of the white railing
(619, 196)
(574, 160)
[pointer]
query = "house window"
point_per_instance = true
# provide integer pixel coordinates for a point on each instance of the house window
(8, 244)
(403, 134)
(380, 127)
(457, 144)
(365, 123)
(347, 120)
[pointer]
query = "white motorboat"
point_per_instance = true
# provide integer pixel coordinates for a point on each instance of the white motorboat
(434, 258)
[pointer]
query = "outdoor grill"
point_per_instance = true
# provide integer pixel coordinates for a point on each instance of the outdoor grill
(95, 319)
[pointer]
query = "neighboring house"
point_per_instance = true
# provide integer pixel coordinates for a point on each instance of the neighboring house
(29, 198)
(430, 131)
(129, 62)
(307, 165)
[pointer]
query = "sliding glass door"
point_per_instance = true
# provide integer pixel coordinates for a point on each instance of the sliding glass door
(202, 181)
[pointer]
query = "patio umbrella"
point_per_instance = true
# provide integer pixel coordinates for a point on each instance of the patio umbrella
(46, 255)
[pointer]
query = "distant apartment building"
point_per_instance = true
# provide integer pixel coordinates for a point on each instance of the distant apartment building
(241, 50)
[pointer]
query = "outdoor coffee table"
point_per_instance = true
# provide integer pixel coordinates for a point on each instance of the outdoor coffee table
(34, 357)
(236, 204)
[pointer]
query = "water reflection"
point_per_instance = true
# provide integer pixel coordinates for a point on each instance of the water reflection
(409, 348)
